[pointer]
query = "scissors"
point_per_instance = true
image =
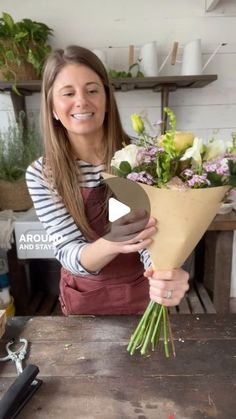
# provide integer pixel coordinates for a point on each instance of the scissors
(18, 355)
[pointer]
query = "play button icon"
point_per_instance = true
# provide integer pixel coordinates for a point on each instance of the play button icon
(128, 208)
(116, 209)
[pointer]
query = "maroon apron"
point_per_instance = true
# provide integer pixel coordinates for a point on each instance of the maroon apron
(119, 288)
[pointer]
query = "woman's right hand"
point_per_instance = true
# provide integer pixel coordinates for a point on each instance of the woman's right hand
(132, 232)
(128, 234)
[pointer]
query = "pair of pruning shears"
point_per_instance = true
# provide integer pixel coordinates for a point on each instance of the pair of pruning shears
(17, 355)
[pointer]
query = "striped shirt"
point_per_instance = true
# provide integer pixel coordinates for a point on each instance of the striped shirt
(68, 240)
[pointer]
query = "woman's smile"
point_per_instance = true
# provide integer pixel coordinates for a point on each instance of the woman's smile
(83, 116)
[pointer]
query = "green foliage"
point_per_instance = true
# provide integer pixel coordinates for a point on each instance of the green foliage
(125, 167)
(232, 170)
(215, 179)
(18, 148)
(133, 71)
(123, 170)
(22, 41)
(166, 162)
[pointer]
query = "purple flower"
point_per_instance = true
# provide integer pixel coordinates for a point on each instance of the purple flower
(198, 181)
(149, 154)
(142, 177)
(218, 166)
(134, 176)
(187, 174)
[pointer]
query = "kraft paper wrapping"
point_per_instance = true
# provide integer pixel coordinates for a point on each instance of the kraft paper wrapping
(182, 216)
(182, 219)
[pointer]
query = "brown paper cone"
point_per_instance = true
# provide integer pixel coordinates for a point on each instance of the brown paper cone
(183, 217)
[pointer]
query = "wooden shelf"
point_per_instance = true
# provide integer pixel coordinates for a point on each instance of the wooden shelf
(127, 84)
(25, 87)
(157, 83)
(164, 85)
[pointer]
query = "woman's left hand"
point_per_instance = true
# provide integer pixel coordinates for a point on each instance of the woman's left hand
(167, 287)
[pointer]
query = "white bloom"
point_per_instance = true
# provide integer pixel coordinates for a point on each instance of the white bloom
(215, 149)
(194, 152)
(128, 153)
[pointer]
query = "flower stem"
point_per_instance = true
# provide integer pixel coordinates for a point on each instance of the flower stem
(137, 336)
(165, 324)
(147, 340)
(171, 336)
(157, 329)
(149, 328)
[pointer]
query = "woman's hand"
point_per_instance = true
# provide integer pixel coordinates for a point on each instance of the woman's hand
(167, 287)
(132, 232)
(128, 234)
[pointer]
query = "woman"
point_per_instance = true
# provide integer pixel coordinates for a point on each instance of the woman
(82, 130)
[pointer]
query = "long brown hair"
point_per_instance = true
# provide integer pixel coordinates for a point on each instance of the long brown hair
(59, 162)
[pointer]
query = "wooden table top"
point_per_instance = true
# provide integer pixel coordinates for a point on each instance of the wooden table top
(224, 222)
(87, 372)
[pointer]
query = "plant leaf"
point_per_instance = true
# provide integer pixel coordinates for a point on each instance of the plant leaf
(9, 22)
(214, 178)
(232, 167)
(125, 167)
(232, 181)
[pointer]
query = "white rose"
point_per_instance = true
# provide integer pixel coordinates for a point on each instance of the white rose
(128, 153)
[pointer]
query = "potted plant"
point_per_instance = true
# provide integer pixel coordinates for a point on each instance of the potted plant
(18, 148)
(23, 48)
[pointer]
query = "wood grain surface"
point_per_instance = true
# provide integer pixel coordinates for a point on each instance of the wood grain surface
(87, 372)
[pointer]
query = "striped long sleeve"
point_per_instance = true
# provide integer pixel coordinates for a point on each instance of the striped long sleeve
(67, 238)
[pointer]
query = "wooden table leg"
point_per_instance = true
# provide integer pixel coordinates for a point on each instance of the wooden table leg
(218, 267)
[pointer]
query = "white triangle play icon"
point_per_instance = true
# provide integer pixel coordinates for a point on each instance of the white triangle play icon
(116, 209)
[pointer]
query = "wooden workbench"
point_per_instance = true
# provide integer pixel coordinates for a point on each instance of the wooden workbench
(218, 258)
(87, 372)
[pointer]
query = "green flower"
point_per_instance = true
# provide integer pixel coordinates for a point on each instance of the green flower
(137, 123)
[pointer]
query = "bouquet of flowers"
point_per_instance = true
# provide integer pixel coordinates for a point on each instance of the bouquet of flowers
(185, 180)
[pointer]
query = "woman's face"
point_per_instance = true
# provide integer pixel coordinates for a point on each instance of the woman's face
(79, 100)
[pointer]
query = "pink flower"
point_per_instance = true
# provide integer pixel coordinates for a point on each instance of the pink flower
(218, 166)
(148, 155)
(198, 181)
(142, 177)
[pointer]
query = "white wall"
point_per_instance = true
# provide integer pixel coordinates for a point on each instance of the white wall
(116, 24)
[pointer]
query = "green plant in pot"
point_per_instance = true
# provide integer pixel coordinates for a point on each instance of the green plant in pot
(23, 48)
(18, 148)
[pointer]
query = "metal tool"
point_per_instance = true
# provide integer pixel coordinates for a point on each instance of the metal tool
(24, 386)
(18, 355)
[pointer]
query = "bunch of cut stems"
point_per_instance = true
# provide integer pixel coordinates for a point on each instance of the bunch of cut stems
(153, 324)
